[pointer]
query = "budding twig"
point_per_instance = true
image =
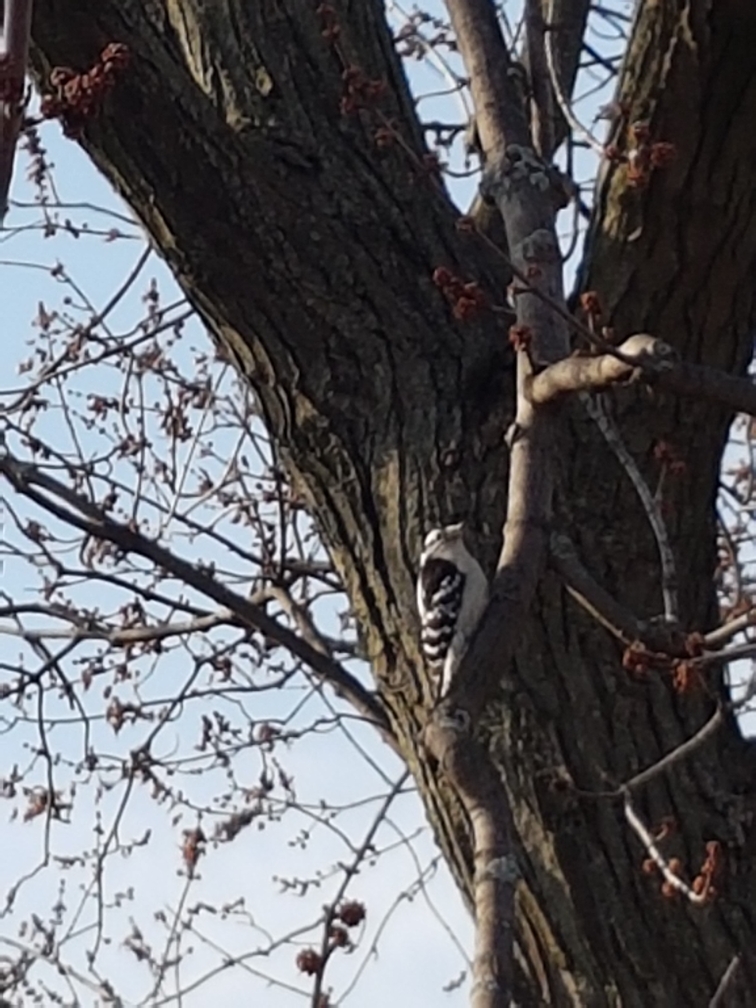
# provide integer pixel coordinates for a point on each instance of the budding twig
(672, 880)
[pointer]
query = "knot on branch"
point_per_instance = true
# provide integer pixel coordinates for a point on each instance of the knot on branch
(648, 352)
(448, 737)
(538, 247)
(504, 869)
(517, 165)
(445, 727)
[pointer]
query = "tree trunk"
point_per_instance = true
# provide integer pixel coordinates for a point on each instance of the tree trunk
(309, 251)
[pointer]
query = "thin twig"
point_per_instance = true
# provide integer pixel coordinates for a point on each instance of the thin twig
(94, 522)
(562, 100)
(588, 593)
(727, 978)
(658, 858)
(613, 438)
(716, 638)
(680, 752)
(123, 637)
(349, 872)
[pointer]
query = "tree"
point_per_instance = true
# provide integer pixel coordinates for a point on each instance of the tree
(274, 155)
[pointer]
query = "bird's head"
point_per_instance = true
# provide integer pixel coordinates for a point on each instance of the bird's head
(440, 540)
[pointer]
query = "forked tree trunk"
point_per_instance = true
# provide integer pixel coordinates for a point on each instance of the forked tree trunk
(309, 251)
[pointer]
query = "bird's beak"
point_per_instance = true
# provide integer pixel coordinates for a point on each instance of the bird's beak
(451, 531)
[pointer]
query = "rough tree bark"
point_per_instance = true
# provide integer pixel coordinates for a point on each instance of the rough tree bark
(309, 251)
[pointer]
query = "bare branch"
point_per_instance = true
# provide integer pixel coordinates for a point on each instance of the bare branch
(14, 45)
(720, 636)
(349, 872)
(591, 596)
(636, 357)
(544, 112)
(94, 522)
(470, 767)
(698, 382)
(680, 752)
(556, 79)
(725, 983)
(521, 186)
(650, 504)
(649, 359)
(123, 637)
(499, 115)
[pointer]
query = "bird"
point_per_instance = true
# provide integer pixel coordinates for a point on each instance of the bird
(452, 593)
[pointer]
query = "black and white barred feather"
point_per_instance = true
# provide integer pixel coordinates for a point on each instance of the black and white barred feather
(452, 593)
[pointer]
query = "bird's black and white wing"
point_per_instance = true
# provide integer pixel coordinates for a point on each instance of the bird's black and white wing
(452, 593)
(440, 591)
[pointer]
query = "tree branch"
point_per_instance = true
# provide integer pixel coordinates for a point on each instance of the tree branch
(521, 186)
(556, 14)
(678, 753)
(725, 983)
(553, 40)
(722, 634)
(94, 522)
(544, 111)
(650, 503)
(637, 356)
(468, 764)
(14, 46)
(126, 636)
(646, 358)
(588, 593)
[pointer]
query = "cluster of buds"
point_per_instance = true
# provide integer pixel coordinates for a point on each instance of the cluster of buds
(350, 913)
(643, 156)
(192, 848)
(331, 29)
(667, 456)
(77, 96)
(385, 136)
(309, 961)
(702, 888)
(520, 336)
(686, 678)
(466, 299)
(638, 660)
(712, 865)
(430, 166)
(591, 305)
(359, 91)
